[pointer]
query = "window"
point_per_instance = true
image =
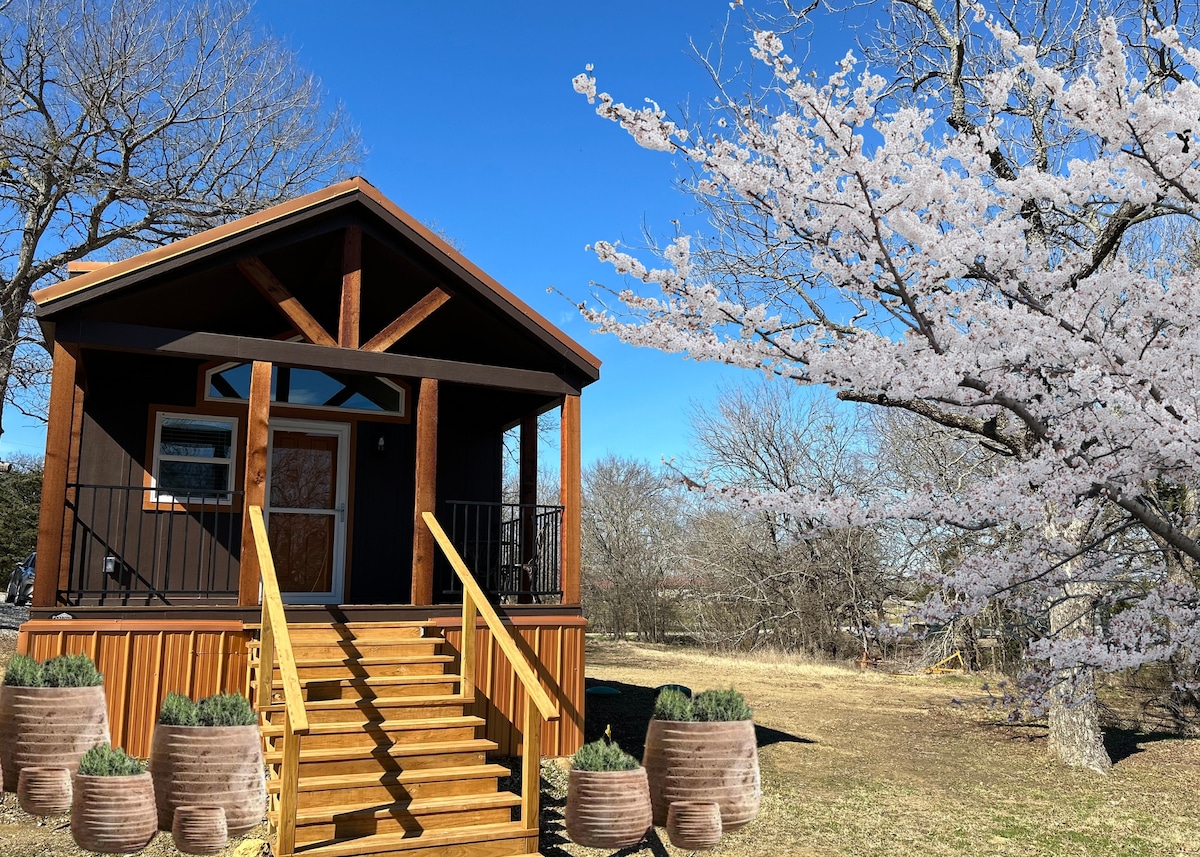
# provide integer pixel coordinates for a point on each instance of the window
(309, 388)
(193, 457)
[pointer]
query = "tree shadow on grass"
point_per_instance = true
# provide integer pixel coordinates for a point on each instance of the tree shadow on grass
(1123, 743)
(628, 712)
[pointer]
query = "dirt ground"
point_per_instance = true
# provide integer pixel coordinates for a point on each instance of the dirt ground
(853, 765)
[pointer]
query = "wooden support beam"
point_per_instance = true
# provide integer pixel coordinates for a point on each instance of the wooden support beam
(426, 492)
(255, 486)
(219, 346)
(571, 479)
(351, 288)
(52, 517)
(409, 319)
(260, 275)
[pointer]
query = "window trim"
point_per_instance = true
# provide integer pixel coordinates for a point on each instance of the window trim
(402, 388)
(155, 499)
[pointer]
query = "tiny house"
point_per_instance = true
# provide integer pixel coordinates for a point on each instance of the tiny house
(333, 370)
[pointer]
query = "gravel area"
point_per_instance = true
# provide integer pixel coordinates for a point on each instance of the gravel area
(11, 616)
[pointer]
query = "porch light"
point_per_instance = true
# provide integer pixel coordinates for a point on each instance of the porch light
(381, 445)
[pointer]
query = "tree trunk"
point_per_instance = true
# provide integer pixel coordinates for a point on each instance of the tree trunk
(1075, 736)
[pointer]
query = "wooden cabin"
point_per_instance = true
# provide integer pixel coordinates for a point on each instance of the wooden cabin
(274, 464)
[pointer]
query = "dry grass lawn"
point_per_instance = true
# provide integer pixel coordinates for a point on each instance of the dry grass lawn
(855, 765)
(871, 764)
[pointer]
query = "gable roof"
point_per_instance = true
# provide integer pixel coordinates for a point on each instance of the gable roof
(105, 280)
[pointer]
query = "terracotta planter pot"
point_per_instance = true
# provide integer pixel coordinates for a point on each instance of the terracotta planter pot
(694, 825)
(704, 762)
(49, 727)
(113, 815)
(45, 791)
(608, 809)
(209, 766)
(199, 829)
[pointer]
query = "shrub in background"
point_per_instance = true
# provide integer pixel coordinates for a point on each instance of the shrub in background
(71, 671)
(603, 755)
(178, 710)
(673, 705)
(105, 761)
(226, 709)
(24, 671)
(721, 706)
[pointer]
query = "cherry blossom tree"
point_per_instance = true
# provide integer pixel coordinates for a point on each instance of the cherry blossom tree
(952, 240)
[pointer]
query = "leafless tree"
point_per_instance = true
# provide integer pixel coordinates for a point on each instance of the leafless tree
(130, 123)
(633, 555)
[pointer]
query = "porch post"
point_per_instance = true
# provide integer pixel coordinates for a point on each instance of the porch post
(426, 491)
(258, 415)
(528, 496)
(571, 477)
(65, 422)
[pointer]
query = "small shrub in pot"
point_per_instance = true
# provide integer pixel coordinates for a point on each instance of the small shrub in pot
(112, 806)
(50, 714)
(703, 748)
(608, 798)
(209, 754)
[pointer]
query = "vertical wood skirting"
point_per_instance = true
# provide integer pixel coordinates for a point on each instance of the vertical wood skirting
(64, 391)
(571, 476)
(556, 646)
(351, 288)
(426, 491)
(257, 421)
(144, 660)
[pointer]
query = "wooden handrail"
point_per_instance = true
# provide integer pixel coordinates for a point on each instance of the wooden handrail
(276, 644)
(539, 703)
(502, 636)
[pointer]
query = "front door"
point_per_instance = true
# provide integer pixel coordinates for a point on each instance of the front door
(306, 508)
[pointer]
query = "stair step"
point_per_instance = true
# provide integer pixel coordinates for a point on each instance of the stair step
(332, 668)
(415, 806)
(401, 647)
(379, 708)
(333, 823)
(322, 689)
(410, 777)
(381, 725)
(370, 734)
(488, 840)
(430, 748)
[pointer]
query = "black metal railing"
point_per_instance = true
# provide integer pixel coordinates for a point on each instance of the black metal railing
(513, 549)
(130, 545)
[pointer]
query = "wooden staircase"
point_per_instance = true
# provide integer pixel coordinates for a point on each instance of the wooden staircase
(390, 763)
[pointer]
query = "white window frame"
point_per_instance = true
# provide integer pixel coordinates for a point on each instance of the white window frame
(164, 497)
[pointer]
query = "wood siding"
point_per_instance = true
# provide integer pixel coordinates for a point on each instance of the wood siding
(555, 645)
(143, 661)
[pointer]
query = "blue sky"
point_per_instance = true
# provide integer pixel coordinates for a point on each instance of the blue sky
(472, 124)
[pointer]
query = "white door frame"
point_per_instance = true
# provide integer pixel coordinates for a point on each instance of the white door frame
(341, 498)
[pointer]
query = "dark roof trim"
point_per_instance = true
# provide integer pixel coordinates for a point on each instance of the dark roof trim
(118, 276)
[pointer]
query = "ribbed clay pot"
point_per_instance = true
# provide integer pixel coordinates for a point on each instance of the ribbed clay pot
(199, 829)
(608, 809)
(44, 791)
(209, 766)
(113, 815)
(704, 762)
(49, 727)
(694, 825)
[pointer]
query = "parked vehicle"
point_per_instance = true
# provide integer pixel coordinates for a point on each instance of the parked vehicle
(20, 584)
